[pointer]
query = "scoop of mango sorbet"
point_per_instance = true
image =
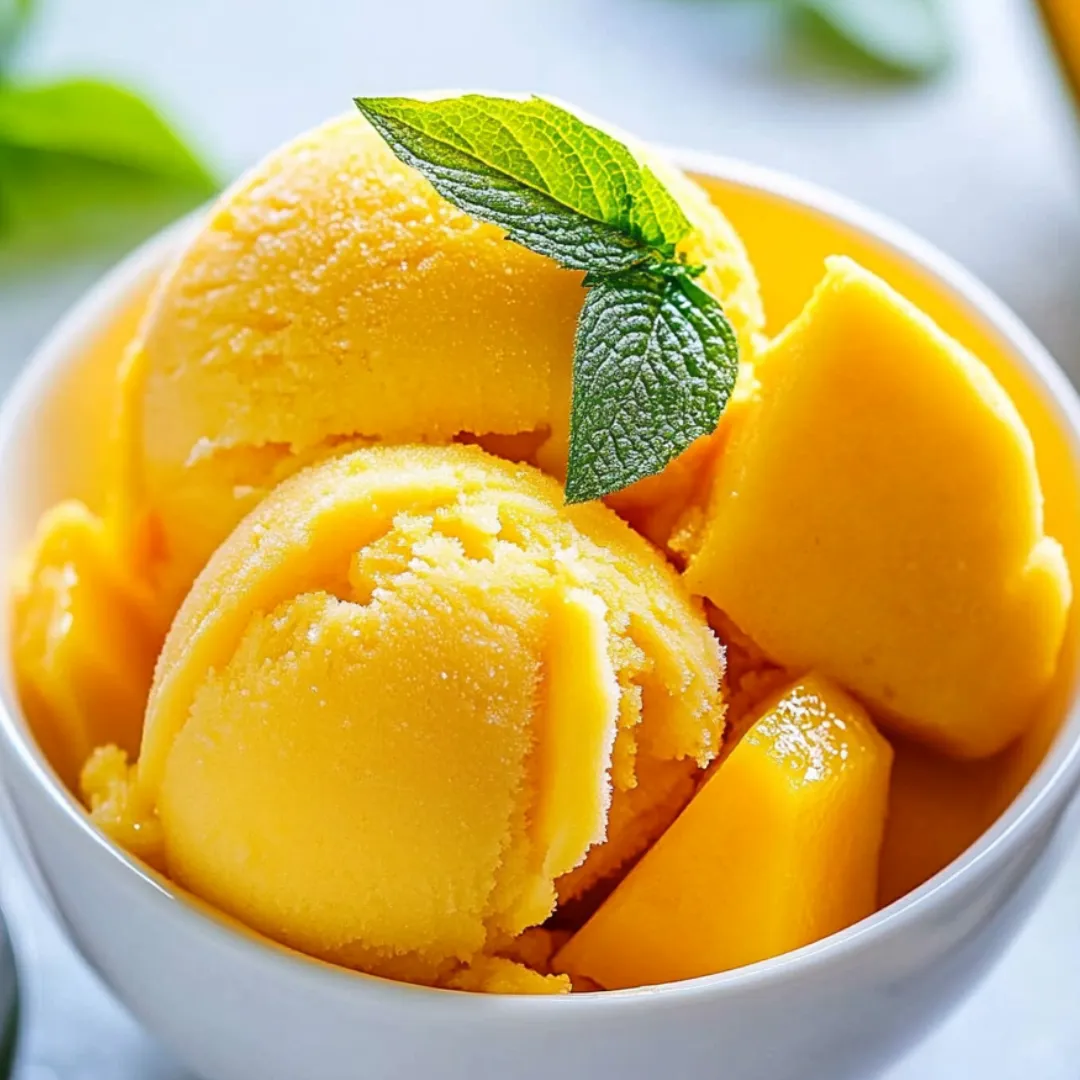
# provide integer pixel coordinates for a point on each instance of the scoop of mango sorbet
(333, 295)
(877, 515)
(390, 714)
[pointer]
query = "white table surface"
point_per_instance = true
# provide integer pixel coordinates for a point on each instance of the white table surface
(985, 162)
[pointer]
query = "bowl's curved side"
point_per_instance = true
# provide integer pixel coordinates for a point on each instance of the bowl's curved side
(233, 1006)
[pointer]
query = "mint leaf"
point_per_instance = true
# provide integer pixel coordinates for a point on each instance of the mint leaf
(655, 358)
(557, 185)
(655, 364)
(909, 37)
(97, 121)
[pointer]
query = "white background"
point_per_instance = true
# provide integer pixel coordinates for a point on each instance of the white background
(984, 161)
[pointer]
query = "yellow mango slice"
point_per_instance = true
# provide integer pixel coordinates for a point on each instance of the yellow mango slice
(779, 848)
(877, 516)
(86, 638)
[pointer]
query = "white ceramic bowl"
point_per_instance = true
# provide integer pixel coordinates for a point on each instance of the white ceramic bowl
(233, 1006)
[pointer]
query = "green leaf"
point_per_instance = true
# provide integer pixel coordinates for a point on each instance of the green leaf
(54, 204)
(655, 358)
(14, 17)
(97, 121)
(557, 185)
(908, 37)
(85, 162)
(655, 363)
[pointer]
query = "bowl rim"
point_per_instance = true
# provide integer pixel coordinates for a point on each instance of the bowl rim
(1049, 789)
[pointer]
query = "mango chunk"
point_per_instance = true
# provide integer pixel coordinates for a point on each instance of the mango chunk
(86, 636)
(878, 517)
(779, 848)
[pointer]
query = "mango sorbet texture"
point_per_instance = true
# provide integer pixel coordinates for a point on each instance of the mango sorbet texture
(390, 714)
(333, 296)
(335, 654)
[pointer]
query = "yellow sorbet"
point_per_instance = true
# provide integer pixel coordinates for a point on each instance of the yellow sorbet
(333, 295)
(403, 699)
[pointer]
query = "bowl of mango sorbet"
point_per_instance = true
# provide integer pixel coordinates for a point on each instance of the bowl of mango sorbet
(490, 598)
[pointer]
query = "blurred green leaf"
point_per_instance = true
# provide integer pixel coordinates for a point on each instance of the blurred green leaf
(86, 162)
(57, 204)
(100, 122)
(907, 37)
(14, 15)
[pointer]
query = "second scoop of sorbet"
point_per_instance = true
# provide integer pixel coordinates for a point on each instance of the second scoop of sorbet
(393, 710)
